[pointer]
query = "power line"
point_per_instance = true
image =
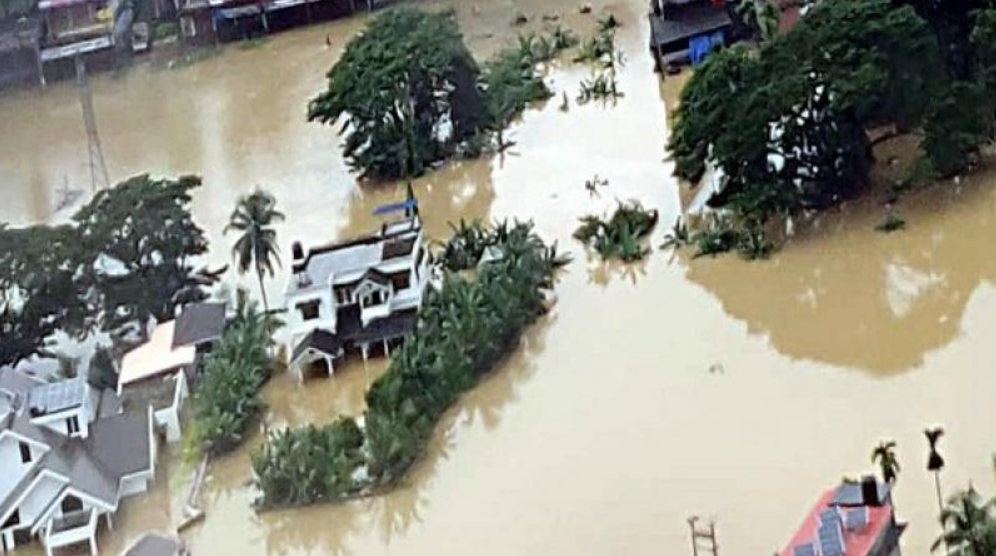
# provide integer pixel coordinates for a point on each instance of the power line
(98, 166)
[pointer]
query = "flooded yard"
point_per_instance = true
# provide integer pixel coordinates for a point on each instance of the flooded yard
(676, 387)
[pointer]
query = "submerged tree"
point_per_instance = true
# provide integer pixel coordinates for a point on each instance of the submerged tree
(969, 525)
(256, 246)
(405, 91)
(885, 455)
(140, 240)
(788, 126)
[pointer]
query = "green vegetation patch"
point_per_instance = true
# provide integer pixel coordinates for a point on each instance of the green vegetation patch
(621, 235)
(464, 329)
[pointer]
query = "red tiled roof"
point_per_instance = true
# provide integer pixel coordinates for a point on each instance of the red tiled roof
(856, 543)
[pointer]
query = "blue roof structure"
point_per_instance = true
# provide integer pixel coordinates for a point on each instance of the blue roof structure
(406, 205)
(830, 539)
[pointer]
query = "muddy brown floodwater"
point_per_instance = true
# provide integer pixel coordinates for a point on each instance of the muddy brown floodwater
(606, 430)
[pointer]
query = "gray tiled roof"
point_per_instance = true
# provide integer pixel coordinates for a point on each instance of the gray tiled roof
(199, 323)
(154, 544)
(118, 445)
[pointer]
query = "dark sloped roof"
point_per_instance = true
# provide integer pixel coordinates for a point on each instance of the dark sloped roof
(154, 544)
(199, 323)
(392, 326)
(318, 340)
(686, 21)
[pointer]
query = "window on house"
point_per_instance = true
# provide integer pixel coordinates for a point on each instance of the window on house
(343, 296)
(309, 310)
(25, 452)
(13, 520)
(73, 425)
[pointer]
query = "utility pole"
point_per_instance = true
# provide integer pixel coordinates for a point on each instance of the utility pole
(98, 166)
(703, 538)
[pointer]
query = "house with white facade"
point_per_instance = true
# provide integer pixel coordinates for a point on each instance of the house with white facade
(358, 295)
(158, 373)
(68, 456)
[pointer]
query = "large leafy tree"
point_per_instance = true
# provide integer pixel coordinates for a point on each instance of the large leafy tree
(142, 241)
(405, 91)
(787, 125)
(39, 290)
(256, 246)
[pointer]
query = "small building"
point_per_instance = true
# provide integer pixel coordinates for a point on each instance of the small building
(68, 456)
(154, 544)
(20, 37)
(687, 29)
(853, 519)
(158, 373)
(363, 294)
(83, 29)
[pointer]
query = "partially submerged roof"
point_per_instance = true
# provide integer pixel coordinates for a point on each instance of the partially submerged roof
(320, 341)
(55, 397)
(681, 23)
(857, 541)
(199, 323)
(156, 357)
(154, 544)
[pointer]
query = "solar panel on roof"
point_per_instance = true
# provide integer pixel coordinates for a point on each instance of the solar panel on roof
(807, 549)
(831, 541)
(856, 519)
(829, 516)
(57, 396)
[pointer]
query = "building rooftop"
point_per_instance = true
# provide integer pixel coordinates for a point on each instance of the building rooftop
(199, 323)
(55, 397)
(347, 262)
(156, 357)
(154, 544)
(854, 529)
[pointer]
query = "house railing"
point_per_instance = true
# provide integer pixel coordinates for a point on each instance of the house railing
(72, 528)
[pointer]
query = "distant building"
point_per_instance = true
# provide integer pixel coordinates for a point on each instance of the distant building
(362, 294)
(83, 28)
(688, 29)
(158, 373)
(68, 456)
(853, 519)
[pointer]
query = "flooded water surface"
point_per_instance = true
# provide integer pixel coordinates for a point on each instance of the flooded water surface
(653, 392)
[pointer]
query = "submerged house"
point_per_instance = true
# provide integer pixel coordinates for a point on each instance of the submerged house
(158, 373)
(154, 544)
(853, 519)
(20, 36)
(363, 294)
(68, 456)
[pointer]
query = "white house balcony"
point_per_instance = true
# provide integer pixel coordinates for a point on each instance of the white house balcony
(71, 529)
(373, 312)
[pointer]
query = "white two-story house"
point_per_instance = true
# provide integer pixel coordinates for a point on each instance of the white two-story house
(359, 295)
(68, 456)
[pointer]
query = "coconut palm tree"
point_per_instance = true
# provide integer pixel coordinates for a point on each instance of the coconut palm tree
(885, 455)
(969, 525)
(256, 246)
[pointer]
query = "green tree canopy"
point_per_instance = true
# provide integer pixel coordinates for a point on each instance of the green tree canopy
(787, 124)
(406, 92)
(39, 293)
(141, 242)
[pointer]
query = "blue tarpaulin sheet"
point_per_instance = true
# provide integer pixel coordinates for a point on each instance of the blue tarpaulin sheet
(396, 207)
(701, 45)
